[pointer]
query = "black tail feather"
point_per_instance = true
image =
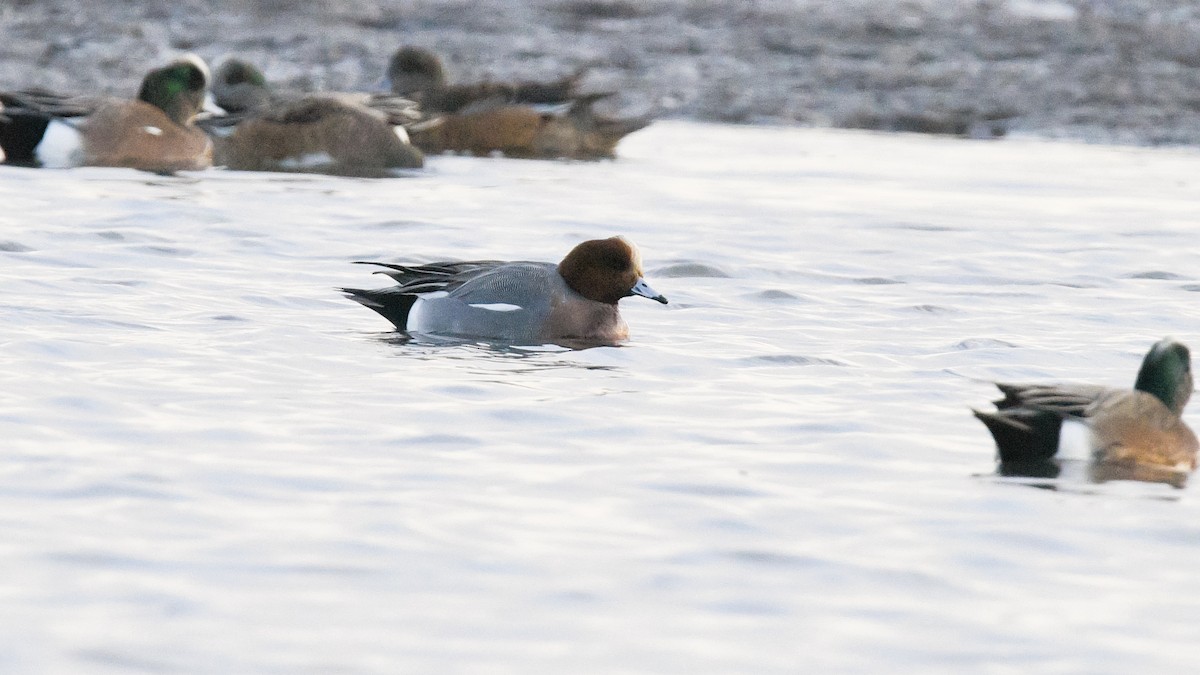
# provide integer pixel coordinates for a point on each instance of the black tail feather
(27, 114)
(20, 135)
(1023, 435)
(390, 303)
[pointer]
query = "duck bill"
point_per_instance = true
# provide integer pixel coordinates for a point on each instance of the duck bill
(210, 106)
(643, 289)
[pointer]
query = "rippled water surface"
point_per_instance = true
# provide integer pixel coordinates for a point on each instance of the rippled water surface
(212, 462)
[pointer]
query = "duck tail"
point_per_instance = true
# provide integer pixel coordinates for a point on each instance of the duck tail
(620, 128)
(28, 115)
(606, 133)
(1023, 435)
(20, 134)
(390, 303)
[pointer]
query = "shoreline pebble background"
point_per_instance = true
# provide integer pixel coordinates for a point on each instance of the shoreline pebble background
(1095, 70)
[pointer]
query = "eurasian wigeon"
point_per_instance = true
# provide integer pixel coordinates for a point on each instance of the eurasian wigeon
(341, 134)
(154, 132)
(1125, 428)
(520, 303)
(527, 119)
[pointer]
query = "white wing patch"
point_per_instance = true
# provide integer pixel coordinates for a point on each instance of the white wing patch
(153, 131)
(1074, 440)
(61, 146)
(308, 161)
(497, 306)
(553, 109)
(210, 105)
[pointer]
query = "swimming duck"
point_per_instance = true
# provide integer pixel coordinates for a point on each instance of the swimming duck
(341, 134)
(517, 302)
(154, 132)
(1124, 427)
(526, 119)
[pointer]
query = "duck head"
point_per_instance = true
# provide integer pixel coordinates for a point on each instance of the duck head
(413, 70)
(240, 86)
(1166, 373)
(177, 88)
(606, 270)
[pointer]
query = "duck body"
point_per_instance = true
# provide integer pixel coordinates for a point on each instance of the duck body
(317, 134)
(138, 135)
(517, 302)
(569, 130)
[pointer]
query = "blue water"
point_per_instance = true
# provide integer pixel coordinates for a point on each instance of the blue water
(212, 462)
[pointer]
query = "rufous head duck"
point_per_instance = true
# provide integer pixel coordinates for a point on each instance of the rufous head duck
(606, 270)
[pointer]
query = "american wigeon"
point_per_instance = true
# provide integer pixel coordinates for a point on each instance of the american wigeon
(1139, 427)
(342, 134)
(527, 303)
(528, 119)
(154, 132)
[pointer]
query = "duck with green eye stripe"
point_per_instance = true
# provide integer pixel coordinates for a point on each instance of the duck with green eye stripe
(1111, 428)
(154, 132)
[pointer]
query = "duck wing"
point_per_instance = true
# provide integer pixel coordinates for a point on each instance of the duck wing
(1076, 400)
(433, 277)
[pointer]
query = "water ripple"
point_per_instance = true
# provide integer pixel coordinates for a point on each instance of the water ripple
(688, 269)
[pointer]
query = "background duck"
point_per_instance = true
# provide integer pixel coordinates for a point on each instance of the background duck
(525, 119)
(154, 132)
(419, 74)
(334, 133)
(522, 302)
(1139, 427)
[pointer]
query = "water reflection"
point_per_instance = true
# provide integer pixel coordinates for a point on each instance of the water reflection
(489, 347)
(1054, 474)
(475, 353)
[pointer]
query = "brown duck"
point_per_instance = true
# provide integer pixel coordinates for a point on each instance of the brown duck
(525, 119)
(334, 133)
(1131, 428)
(154, 132)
